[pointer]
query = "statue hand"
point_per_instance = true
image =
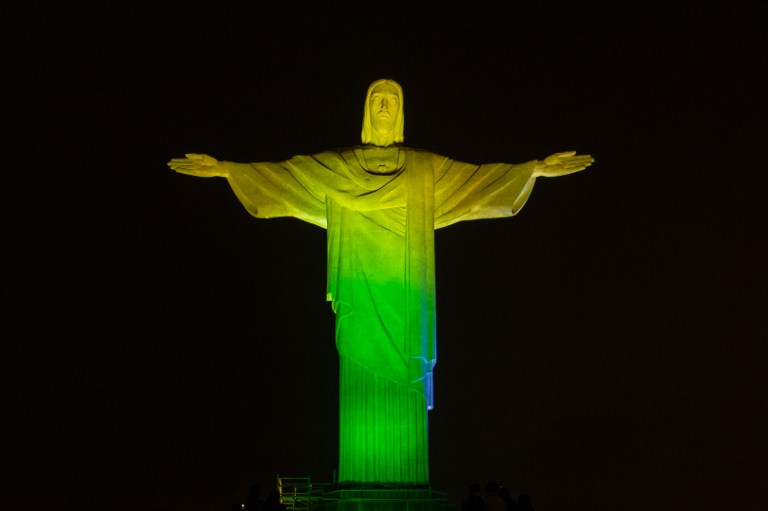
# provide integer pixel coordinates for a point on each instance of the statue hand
(560, 164)
(200, 165)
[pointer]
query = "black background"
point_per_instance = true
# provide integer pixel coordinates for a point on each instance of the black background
(605, 349)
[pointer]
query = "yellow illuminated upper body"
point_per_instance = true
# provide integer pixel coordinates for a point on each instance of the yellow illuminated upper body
(383, 122)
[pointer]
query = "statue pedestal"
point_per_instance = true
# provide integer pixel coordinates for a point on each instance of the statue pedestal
(384, 499)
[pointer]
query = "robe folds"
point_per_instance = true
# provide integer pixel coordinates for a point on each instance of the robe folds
(381, 270)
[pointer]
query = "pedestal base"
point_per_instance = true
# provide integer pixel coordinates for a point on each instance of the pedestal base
(384, 500)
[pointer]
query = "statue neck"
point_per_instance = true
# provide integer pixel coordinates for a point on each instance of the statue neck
(382, 139)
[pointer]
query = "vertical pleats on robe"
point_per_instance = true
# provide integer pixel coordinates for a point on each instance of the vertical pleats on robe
(382, 430)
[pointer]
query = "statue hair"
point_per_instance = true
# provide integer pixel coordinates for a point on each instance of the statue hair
(399, 130)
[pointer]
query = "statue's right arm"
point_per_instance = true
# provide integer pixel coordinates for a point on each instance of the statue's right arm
(266, 189)
(200, 165)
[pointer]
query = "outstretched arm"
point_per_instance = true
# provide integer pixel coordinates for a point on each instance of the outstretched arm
(266, 189)
(561, 164)
(200, 165)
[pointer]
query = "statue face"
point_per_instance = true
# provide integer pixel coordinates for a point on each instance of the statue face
(385, 107)
(383, 116)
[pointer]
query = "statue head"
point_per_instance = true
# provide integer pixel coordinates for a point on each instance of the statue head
(383, 120)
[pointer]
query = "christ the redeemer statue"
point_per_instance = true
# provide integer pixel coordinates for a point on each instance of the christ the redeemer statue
(381, 202)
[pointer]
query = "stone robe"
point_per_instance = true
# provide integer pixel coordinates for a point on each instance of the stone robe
(381, 281)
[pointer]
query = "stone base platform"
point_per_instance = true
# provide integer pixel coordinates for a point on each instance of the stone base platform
(383, 499)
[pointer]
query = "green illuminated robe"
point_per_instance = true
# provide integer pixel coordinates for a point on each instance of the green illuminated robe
(381, 281)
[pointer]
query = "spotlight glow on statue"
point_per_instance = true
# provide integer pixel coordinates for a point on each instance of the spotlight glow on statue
(381, 203)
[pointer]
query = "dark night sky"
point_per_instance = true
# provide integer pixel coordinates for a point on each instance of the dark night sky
(605, 349)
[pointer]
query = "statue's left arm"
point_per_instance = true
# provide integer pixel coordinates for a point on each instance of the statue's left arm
(465, 191)
(562, 164)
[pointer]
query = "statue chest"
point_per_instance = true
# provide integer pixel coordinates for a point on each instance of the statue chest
(383, 160)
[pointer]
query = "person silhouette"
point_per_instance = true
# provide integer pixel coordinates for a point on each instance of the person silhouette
(506, 496)
(253, 501)
(524, 502)
(272, 502)
(474, 502)
(492, 500)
